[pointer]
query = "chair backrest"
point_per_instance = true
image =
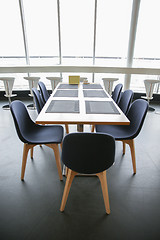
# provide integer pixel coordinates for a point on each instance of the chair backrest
(38, 100)
(43, 90)
(125, 100)
(116, 93)
(136, 114)
(22, 120)
(88, 152)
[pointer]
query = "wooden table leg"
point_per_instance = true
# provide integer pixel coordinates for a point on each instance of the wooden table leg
(80, 127)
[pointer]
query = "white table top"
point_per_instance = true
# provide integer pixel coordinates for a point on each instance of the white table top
(81, 117)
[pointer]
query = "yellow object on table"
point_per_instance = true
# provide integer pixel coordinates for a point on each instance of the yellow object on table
(74, 79)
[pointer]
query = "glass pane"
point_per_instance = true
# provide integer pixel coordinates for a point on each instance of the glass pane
(147, 44)
(147, 53)
(77, 20)
(11, 39)
(113, 22)
(42, 31)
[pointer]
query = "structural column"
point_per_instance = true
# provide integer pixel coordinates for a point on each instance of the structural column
(59, 34)
(24, 31)
(94, 40)
(132, 38)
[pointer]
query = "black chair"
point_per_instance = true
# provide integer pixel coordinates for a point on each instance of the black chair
(116, 93)
(38, 100)
(127, 133)
(125, 100)
(44, 92)
(88, 153)
(32, 134)
(45, 95)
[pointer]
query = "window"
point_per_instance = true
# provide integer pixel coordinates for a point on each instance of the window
(42, 31)
(11, 39)
(77, 19)
(113, 22)
(147, 50)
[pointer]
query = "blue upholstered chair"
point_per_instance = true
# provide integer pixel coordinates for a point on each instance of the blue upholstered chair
(38, 100)
(32, 134)
(125, 100)
(88, 153)
(127, 133)
(45, 95)
(44, 92)
(116, 93)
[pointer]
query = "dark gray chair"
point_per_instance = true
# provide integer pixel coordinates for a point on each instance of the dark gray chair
(38, 100)
(88, 153)
(116, 93)
(127, 133)
(44, 93)
(32, 134)
(125, 100)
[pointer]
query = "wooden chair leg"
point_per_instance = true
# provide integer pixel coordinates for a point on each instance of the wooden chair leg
(66, 168)
(25, 154)
(61, 145)
(57, 158)
(92, 128)
(132, 147)
(67, 128)
(103, 180)
(32, 152)
(70, 176)
(124, 147)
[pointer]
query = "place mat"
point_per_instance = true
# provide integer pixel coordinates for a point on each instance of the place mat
(92, 86)
(99, 107)
(66, 93)
(63, 106)
(95, 93)
(68, 86)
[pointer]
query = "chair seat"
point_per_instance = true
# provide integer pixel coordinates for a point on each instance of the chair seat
(54, 78)
(108, 84)
(8, 85)
(44, 134)
(110, 79)
(118, 132)
(152, 81)
(149, 86)
(147, 98)
(33, 82)
(54, 81)
(13, 95)
(31, 95)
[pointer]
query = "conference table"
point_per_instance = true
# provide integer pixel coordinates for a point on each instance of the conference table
(81, 104)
